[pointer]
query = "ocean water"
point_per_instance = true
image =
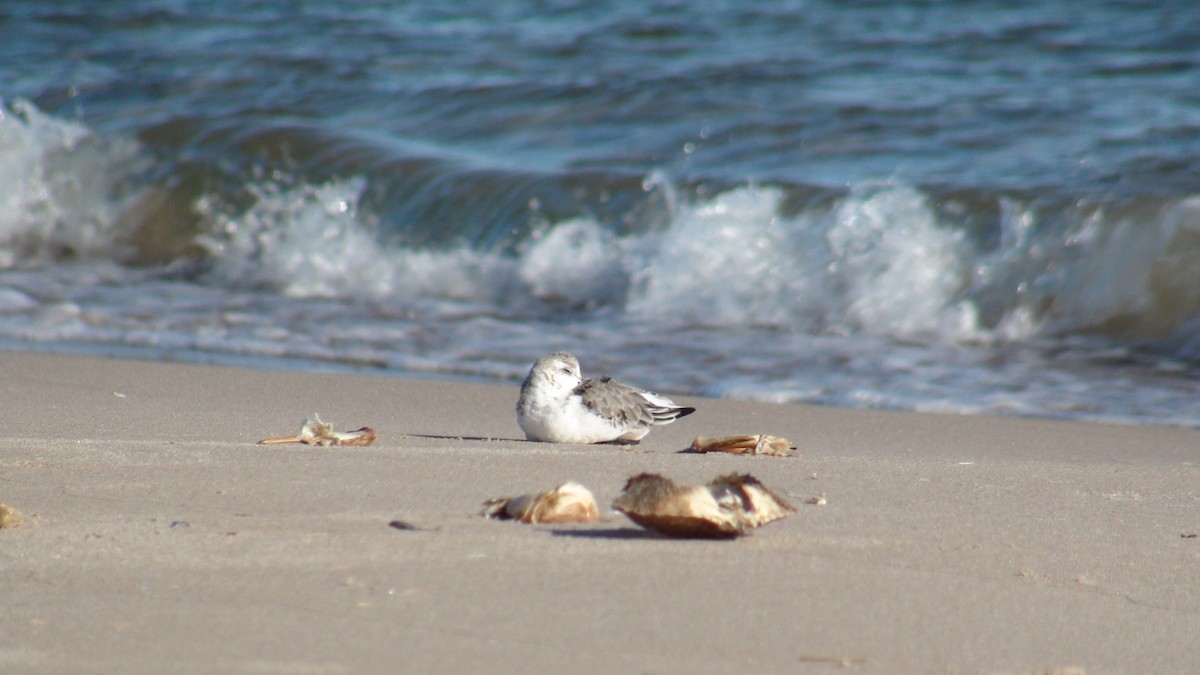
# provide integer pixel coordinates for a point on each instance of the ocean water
(972, 207)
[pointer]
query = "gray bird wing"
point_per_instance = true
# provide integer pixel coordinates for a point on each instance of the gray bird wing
(616, 401)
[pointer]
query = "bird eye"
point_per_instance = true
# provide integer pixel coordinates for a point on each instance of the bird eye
(566, 370)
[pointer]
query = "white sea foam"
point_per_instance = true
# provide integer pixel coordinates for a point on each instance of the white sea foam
(732, 261)
(902, 272)
(58, 186)
(576, 263)
(878, 262)
(312, 241)
(1139, 275)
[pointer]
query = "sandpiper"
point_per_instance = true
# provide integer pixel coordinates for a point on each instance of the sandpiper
(558, 406)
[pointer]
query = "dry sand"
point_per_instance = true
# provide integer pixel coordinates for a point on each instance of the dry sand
(159, 538)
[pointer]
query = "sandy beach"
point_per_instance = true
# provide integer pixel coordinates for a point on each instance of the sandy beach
(159, 537)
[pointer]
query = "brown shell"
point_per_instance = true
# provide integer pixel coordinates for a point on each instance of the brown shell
(685, 526)
(756, 444)
(729, 506)
(10, 518)
(567, 503)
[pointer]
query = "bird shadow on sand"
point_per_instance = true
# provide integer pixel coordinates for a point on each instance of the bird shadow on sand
(631, 446)
(485, 439)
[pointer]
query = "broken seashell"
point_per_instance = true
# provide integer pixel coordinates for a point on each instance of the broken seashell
(727, 507)
(759, 444)
(10, 518)
(316, 432)
(567, 503)
(754, 503)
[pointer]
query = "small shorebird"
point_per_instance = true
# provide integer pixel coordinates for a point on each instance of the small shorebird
(558, 406)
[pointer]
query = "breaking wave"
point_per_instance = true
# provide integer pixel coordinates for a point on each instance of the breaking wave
(881, 258)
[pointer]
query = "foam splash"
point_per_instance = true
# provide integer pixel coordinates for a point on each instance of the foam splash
(575, 264)
(901, 271)
(1134, 276)
(59, 186)
(312, 241)
(878, 263)
(731, 261)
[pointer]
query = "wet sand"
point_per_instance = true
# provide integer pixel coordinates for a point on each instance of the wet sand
(158, 537)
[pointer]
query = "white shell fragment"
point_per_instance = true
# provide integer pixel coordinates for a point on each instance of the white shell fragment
(567, 503)
(728, 507)
(316, 432)
(757, 444)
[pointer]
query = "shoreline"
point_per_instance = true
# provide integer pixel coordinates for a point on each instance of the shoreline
(310, 365)
(159, 537)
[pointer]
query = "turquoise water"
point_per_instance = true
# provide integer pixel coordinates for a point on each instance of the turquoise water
(963, 207)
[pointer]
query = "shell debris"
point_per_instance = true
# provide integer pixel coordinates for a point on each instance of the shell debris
(316, 432)
(748, 444)
(10, 518)
(567, 503)
(728, 507)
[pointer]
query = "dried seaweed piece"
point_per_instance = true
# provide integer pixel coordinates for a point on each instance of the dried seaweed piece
(10, 518)
(316, 432)
(728, 507)
(758, 444)
(567, 503)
